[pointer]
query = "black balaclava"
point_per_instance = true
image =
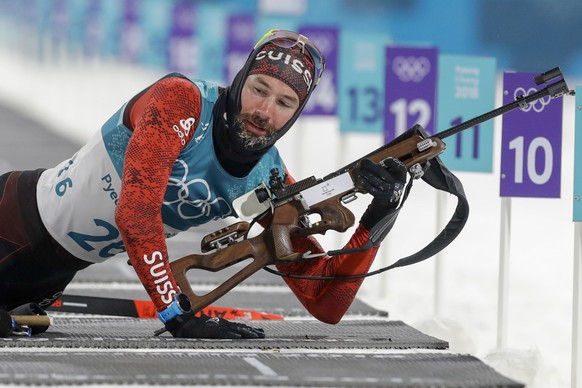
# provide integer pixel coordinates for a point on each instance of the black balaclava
(269, 59)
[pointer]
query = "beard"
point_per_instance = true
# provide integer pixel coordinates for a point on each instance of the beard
(248, 139)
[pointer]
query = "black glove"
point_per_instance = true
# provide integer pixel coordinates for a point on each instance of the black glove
(189, 326)
(386, 184)
(30, 309)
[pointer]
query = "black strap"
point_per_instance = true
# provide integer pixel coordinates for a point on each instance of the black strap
(439, 177)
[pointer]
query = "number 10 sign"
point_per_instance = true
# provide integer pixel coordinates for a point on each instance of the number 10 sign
(531, 142)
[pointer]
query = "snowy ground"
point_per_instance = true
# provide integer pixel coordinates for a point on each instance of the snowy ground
(76, 98)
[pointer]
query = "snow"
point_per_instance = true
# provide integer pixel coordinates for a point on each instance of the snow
(74, 98)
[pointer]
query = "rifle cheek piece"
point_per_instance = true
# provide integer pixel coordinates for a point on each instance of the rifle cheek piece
(250, 205)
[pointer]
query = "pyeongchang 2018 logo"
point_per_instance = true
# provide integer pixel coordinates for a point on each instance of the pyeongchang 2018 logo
(411, 69)
(537, 106)
(193, 199)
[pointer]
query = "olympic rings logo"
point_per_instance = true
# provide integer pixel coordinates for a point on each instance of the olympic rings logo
(189, 208)
(409, 69)
(538, 106)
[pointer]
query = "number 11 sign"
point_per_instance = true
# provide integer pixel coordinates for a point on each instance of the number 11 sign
(531, 142)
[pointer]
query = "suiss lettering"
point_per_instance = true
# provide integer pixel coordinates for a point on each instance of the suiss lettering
(296, 64)
(164, 286)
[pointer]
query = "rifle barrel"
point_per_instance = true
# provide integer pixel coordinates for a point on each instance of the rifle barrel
(494, 113)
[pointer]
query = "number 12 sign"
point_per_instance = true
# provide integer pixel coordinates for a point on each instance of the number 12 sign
(411, 79)
(531, 142)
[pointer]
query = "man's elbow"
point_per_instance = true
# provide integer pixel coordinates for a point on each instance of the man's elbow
(330, 318)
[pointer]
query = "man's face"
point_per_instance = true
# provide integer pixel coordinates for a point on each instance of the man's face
(267, 104)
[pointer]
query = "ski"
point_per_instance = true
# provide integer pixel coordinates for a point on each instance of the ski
(145, 309)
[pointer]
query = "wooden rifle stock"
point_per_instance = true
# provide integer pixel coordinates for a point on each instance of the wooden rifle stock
(273, 245)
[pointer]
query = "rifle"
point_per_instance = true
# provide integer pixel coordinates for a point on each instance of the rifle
(291, 205)
(137, 308)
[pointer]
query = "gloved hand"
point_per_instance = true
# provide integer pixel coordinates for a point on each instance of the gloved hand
(189, 326)
(31, 309)
(386, 184)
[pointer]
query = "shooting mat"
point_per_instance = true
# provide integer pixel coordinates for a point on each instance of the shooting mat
(132, 333)
(119, 351)
(219, 368)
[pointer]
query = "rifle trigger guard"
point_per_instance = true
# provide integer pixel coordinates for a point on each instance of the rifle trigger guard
(349, 198)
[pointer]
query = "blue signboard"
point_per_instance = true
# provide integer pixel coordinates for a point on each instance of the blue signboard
(110, 16)
(75, 25)
(155, 21)
(411, 79)
(578, 158)
(466, 89)
(361, 82)
(531, 144)
(212, 41)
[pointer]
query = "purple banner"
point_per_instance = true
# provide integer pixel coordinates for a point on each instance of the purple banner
(131, 34)
(241, 37)
(531, 142)
(182, 48)
(324, 99)
(411, 79)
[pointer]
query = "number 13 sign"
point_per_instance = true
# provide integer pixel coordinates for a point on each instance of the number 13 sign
(531, 142)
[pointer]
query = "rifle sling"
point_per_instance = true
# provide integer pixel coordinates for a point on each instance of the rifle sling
(441, 178)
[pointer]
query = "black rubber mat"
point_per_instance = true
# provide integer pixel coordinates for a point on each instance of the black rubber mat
(131, 333)
(248, 369)
(280, 302)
